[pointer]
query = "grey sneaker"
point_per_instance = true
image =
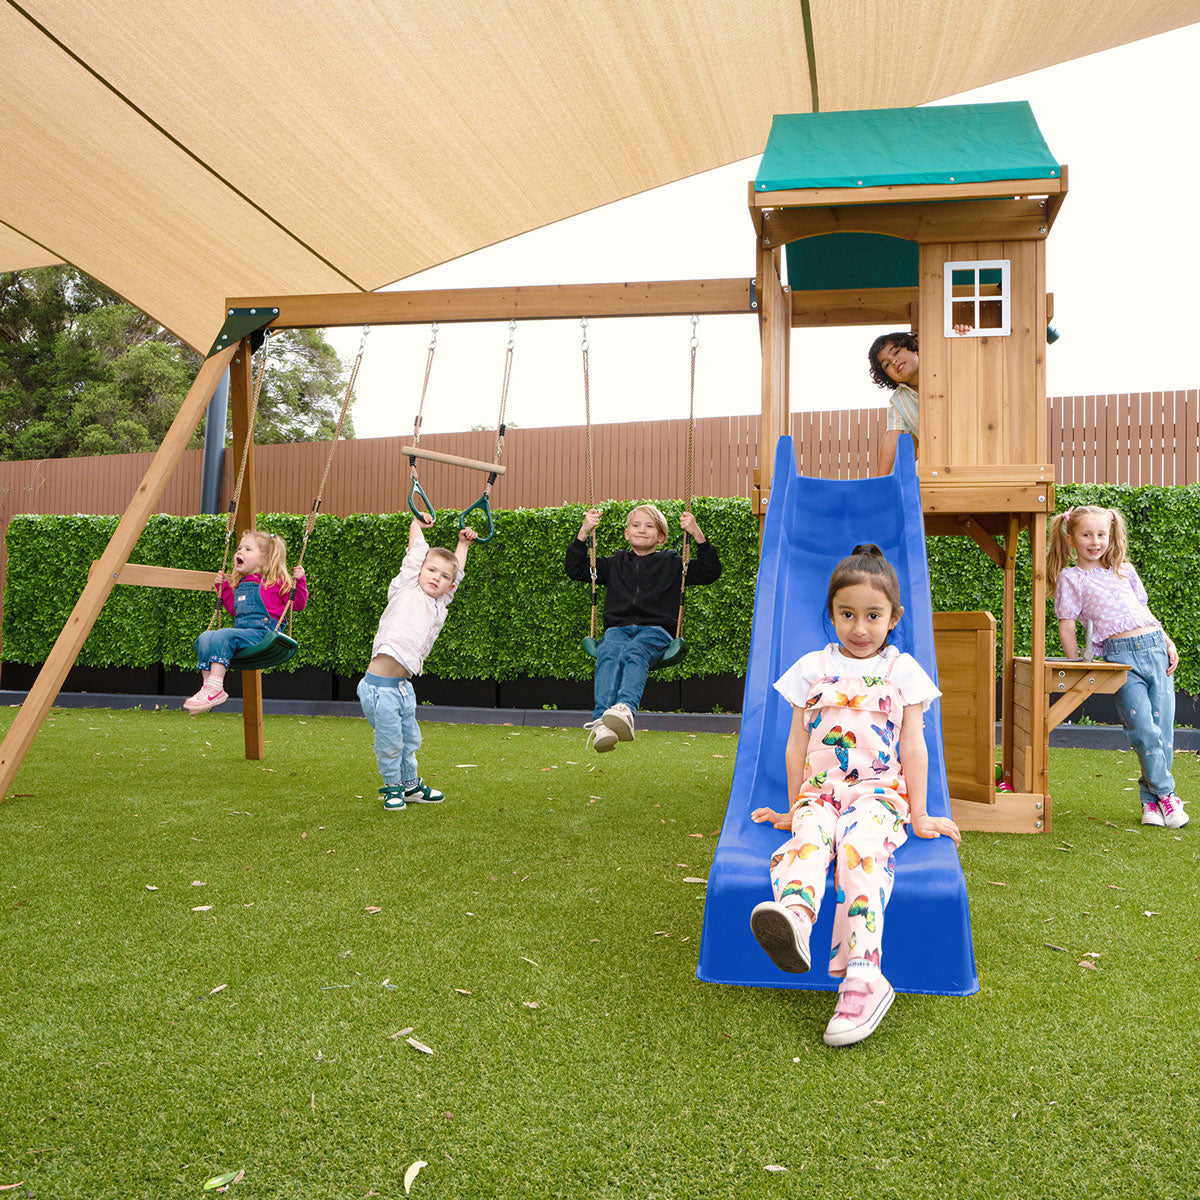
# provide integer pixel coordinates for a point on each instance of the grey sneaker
(393, 798)
(600, 735)
(1171, 808)
(422, 793)
(783, 934)
(619, 719)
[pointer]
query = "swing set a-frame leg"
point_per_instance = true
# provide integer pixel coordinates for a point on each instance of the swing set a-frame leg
(100, 583)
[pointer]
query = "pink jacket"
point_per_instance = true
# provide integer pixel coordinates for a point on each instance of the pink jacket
(274, 596)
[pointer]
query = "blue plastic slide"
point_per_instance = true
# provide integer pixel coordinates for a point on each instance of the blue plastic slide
(811, 525)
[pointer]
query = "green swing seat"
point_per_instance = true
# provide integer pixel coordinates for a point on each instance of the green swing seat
(274, 650)
(675, 651)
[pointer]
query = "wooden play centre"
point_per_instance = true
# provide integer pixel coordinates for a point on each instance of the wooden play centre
(921, 219)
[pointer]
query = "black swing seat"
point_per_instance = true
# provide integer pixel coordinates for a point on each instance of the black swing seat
(675, 651)
(274, 650)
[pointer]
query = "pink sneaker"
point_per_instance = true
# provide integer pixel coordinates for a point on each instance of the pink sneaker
(1152, 813)
(861, 1005)
(1171, 808)
(209, 696)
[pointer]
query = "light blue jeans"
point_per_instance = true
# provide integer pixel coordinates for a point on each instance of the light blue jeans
(623, 661)
(390, 706)
(1146, 706)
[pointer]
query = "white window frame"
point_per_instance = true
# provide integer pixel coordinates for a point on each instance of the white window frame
(978, 266)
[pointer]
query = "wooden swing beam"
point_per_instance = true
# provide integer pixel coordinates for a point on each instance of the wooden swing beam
(664, 298)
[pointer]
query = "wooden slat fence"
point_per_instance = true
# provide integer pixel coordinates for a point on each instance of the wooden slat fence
(1138, 438)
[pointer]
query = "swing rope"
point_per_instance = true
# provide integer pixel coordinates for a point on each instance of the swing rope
(311, 520)
(689, 464)
(417, 491)
(591, 479)
(483, 504)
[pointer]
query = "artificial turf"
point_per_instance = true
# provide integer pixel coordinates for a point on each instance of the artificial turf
(538, 933)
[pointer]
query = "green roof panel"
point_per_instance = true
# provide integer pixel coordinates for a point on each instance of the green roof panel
(952, 143)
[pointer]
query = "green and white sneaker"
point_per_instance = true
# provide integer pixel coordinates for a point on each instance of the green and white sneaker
(423, 794)
(393, 798)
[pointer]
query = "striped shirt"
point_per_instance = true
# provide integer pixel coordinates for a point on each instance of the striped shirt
(902, 410)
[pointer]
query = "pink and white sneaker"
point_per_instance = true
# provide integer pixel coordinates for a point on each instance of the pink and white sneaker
(861, 1005)
(1152, 813)
(783, 934)
(209, 696)
(1171, 808)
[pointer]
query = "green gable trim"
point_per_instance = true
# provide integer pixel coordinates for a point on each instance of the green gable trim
(851, 260)
(952, 143)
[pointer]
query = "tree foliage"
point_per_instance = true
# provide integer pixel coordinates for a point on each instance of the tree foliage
(82, 373)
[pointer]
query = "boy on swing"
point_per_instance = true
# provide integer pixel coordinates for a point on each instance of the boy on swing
(641, 609)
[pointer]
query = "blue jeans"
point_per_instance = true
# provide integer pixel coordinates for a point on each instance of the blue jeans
(1146, 706)
(220, 645)
(390, 706)
(624, 659)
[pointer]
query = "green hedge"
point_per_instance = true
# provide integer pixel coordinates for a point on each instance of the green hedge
(516, 612)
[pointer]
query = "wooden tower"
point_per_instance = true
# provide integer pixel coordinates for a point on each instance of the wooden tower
(931, 218)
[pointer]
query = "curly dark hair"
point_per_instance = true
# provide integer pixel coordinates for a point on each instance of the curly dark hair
(901, 340)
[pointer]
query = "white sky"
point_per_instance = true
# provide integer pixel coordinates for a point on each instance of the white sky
(1120, 262)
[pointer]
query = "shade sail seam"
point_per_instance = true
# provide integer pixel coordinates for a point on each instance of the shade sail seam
(179, 145)
(814, 94)
(29, 238)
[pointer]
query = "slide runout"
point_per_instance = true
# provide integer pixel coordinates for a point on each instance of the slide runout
(811, 525)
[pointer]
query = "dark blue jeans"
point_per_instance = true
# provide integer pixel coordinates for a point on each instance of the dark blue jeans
(624, 659)
(1146, 706)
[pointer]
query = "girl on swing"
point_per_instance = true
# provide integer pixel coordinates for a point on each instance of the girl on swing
(256, 594)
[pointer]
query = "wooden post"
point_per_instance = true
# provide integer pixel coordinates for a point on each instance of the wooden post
(240, 397)
(1007, 646)
(775, 331)
(1039, 713)
(83, 616)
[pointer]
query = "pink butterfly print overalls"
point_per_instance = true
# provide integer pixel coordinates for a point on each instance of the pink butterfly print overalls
(853, 805)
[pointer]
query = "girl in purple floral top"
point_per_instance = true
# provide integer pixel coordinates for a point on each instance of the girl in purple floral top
(1101, 588)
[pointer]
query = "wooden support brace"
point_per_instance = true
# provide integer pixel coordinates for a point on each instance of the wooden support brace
(455, 460)
(143, 575)
(79, 624)
(983, 540)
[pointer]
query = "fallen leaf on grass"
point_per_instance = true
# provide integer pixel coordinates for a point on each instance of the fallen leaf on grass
(462, 991)
(150, 887)
(1052, 946)
(1116, 887)
(219, 988)
(424, 1049)
(401, 1032)
(199, 883)
(531, 1003)
(997, 883)
(371, 908)
(1083, 962)
(530, 961)
(223, 1181)
(774, 1167)
(202, 908)
(412, 1173)
(1148, 913)
(694, 879)
(462, 765)
(696, 835)
(8, 1187)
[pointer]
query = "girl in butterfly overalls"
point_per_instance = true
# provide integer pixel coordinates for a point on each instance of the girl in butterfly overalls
(857, 715)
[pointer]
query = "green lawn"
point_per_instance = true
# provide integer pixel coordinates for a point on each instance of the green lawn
(536, 932)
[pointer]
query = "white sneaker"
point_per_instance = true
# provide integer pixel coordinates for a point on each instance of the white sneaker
(783, 934)
(1152, 813)
(600, 735)
(861, 1005)
(1171, 808)
(619, 719)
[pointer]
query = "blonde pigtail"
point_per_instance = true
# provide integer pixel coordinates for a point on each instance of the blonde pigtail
(1058, 555)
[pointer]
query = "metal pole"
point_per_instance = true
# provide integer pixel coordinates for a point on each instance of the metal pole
(213, 463)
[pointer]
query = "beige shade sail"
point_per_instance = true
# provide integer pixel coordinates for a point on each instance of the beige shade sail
(181, 154)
